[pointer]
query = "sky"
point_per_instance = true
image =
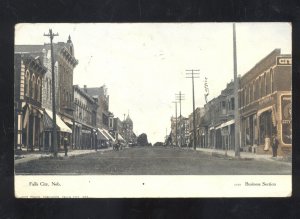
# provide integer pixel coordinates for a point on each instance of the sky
(143, 65)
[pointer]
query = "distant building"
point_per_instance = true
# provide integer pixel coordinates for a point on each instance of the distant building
(84, 133)
(127, 131)
(103, 115)
(217, 121)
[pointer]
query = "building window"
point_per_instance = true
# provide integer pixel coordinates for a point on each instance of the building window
(38, 88)
(27, 83)
(253, 91)
(272, 80)
(265, 84)
(268, 83)
(259, 87)
(33, 82)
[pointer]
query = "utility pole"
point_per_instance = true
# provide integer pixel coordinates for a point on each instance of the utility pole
(236, 106)
(193, 74)
(54, 134)
(176, 138)
(180, 97)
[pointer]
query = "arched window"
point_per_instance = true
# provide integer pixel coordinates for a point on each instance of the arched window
(27, 83)
(38, 89)
(33, 83)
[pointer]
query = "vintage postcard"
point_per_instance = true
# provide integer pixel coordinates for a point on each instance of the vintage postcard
(107, 110)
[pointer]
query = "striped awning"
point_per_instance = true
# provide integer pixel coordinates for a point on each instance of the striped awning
(120, 138)
(108, 135)
(101, 135)
(60, 124)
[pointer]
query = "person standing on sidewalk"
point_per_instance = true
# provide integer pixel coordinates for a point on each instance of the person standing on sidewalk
(275, 144)
(66, 146)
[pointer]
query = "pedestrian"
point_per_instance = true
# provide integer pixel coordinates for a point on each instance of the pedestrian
(66, 146)
(275, 146)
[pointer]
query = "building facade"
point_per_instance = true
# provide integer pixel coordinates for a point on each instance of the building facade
(29, 72)
(265, 104)
(127, 131)
(64, 64)
(103, 114)
(84, 133)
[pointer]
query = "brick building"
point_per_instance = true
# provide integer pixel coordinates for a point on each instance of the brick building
(218, 120)
(103, 120)
(64, 64)
(29, 72)
(265, 104)
(84, 128)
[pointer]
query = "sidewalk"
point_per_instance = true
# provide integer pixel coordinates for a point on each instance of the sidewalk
(244, 155)
(28, 156)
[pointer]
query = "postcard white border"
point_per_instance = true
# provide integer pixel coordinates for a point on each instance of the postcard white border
(143, 186)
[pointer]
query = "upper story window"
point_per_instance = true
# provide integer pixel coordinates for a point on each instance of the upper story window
(265, 84)
(27, 83)
(33, 83)
(272, 80)
(38, 89)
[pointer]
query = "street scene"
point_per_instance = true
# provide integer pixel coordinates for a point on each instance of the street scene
(153, 161)
(150, 99)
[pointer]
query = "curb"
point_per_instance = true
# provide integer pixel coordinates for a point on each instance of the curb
(59, 155)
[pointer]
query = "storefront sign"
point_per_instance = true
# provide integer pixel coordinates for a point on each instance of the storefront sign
(283, 60)
(286, 113)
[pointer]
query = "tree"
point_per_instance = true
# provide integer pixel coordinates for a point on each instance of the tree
(142, 140)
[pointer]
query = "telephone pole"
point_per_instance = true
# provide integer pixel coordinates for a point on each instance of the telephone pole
(54, 134)
(176, 138)
(180, 97)
(236, 110)
(193, 74)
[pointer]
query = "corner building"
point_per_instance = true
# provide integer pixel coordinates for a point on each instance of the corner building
(265, 102)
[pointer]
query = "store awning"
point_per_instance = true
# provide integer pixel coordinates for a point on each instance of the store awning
(120, 138)
(227, 123)
(61, 125)
(108, 135)
(101, 135)
(67, 120)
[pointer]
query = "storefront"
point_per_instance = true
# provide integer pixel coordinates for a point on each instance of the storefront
(63, 131)
(30, 121)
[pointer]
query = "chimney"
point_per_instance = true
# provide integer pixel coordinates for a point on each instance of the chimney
(85, 88)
